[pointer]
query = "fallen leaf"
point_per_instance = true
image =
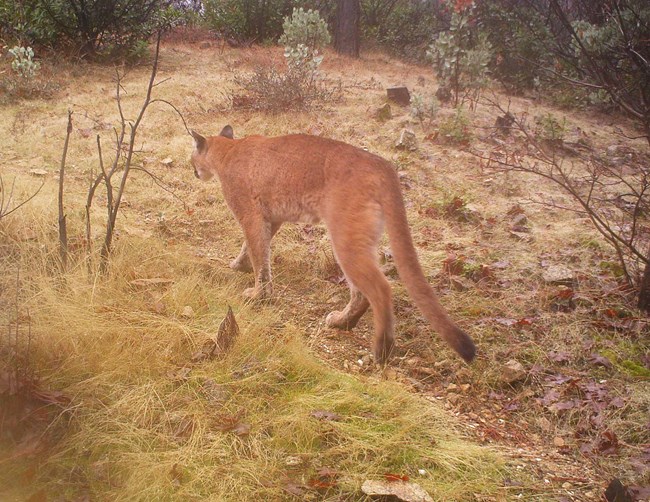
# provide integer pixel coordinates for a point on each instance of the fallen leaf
(453, 265)
(599, 360)
(294, 489)
(389, 476)
(559, 357)
(617, 492)
(608, 443)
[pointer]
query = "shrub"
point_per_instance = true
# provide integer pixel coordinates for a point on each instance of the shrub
(305, 28)
(299, 86)
(247, 20)
(455, 129)
(460, 57)
(520, 41)
(424, 107)
(23, 63)
(24, 80)
(92, 27)
(404, 27)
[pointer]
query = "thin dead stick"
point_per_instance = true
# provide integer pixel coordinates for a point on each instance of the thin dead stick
(63, 231)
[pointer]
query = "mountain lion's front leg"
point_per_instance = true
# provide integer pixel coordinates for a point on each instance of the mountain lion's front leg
(243, 262)
(258, 233)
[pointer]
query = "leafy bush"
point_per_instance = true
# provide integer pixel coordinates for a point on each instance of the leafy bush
(299, 85)
(305, 28)
(549, 128)
(402, 27)
(247, 20)
(25, 81)
(460, 57)
(455, 129)
(92, 27)
(424, 107)
(28, 22)
(23, 63)
(520, 40)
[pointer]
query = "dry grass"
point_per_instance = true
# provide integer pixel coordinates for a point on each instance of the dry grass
(139, 430)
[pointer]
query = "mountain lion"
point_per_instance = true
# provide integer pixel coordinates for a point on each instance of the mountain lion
(267, 181)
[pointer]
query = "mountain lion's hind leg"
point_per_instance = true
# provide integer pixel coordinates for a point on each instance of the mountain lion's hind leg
(355, 240)
(350, 315)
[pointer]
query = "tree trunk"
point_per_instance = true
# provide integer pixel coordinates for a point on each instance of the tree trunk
(346, 38)
(644, 290)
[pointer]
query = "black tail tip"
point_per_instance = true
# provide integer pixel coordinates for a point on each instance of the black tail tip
(465, 346)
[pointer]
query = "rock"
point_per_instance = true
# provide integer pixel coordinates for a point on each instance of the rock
(399, 95)
(407, 141)
(384, 113)
(168, 161)
(513, 371)
(558, 274)
(38, 172)
(402, 490)
(187, 312)
(519, 219)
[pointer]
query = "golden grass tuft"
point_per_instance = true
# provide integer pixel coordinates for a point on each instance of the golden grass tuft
(140, 428)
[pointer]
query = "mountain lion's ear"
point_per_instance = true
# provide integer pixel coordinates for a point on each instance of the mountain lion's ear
(199, 141)
(227, 132)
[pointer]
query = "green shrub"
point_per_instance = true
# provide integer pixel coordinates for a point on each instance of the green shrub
(460, 57)
(23, 63)
(455, 129)
(247, 20)
(424, 107)
(405, 27)
(95, 28)
(520, 42)
(299, 86)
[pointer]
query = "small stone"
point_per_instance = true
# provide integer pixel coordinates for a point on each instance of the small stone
(187, 312)
(384, 113)
(292, 461)
(38, 172)
(168, 161)
(566, 485)
(452, 387)
(399, 95)
(401, 490)
(559, 442)
(558, 274)
(407, 141)
(513, 371)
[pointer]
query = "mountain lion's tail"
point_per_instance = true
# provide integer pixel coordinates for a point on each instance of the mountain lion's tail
(411, 274)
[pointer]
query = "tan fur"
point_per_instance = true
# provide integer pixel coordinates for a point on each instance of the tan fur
(267, 181)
